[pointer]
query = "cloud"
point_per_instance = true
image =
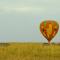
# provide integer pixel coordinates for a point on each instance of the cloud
(29, 9)
(29, 6)
(21, 9)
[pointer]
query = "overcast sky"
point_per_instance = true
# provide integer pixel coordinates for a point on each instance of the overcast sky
(20, 19)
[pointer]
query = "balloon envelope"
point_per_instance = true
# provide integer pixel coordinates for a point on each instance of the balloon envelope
(49, 29)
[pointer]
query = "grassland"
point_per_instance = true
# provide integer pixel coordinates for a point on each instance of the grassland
(29, 51)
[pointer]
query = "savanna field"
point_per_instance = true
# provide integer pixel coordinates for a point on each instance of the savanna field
(29, 51)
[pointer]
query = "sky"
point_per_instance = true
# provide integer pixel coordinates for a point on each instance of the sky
(20, 19)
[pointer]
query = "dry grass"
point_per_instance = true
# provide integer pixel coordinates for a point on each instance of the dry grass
(29, 51)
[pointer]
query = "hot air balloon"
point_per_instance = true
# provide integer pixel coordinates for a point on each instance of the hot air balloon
(49, 29)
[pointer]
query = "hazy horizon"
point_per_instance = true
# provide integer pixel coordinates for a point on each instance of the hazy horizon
(20, 19)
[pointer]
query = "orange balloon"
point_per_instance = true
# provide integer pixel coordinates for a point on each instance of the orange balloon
(49, 29)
